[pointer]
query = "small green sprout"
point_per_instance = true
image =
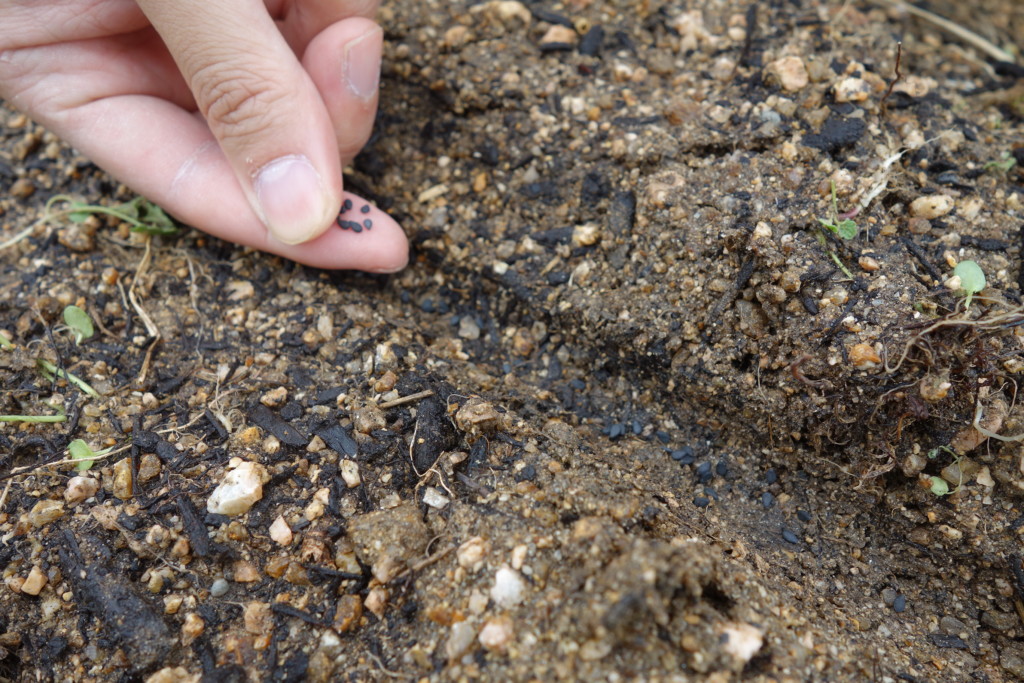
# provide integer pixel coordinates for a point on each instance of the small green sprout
(80, 451)
(50, 371)
(972, 279)
(940, 487)
(79, 322)
(34, 419)
(5, 343)
(846, 228)
(140, 213)
(1005, 163)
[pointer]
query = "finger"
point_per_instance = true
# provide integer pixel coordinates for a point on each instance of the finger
(344, 63)
(262, 108)
(170, 156)
(29, 22)
(302, 20)
(87, 70)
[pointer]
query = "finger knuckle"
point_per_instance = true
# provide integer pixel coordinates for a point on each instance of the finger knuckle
(237, 104)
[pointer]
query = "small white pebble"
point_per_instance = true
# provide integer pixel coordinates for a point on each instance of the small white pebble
(280, 532)
(219, 588)
(508, 588)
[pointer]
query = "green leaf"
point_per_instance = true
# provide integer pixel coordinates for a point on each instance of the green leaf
(153, 220)
(828, 224)
(80, 450)
(79, 322)
(79, 212)
(847, 229)
(940, 486)
(972, 279)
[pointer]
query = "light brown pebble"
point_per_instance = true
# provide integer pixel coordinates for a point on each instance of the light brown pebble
(149, 467)
(80, 488)
(274, 398)
(868, 263)
(77, 237)
(246, 572)
(559, 35)
(864, 356)
(35, 582)
(919, 226)
(123, 479)
(280, 532)
(350, 473)
(931, 206)
(496, 634)
(368, 419)
(788, 72)
(258, 618)
(192, 628)
(377, 600)
(23, 188)
(177, 674)
(852, 90)
(44, 512)
(348, 613)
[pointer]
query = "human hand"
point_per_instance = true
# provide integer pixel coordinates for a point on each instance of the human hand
(236, 117)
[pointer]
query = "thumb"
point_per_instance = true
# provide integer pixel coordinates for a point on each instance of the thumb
(262, 108)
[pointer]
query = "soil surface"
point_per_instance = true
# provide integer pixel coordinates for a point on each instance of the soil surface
(633, 411)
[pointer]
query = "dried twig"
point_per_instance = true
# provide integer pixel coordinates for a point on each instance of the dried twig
(958, 31)
(401, 401)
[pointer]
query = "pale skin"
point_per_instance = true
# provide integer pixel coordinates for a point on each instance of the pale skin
(236, 116)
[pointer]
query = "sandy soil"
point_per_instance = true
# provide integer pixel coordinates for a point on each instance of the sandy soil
(633, 412)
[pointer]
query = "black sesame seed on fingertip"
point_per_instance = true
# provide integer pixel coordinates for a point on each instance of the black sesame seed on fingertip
(366, 208)
(367, 224)
(346, 205)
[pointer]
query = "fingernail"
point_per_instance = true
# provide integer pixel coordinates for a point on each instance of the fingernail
(362, 64)
(290, 194)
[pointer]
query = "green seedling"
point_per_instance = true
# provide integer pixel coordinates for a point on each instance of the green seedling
(79, 322)
(34, 419)
(1005, 163)
(140, 213)
(51, 371)
(846, 228)
(5, 343)
(79, 450)
(939, 486)
(972, 279)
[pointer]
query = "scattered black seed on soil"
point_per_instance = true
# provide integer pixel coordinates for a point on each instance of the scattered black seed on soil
(900, 603)
(590, 44)
(722, 468)
(681, 454)
(803, 515)
(767, 499)
(367, 224)
(790, 537)
(704, 474)
(701, 501)
(771, 476)
(365, 209)
(711, 493)
(346, 205)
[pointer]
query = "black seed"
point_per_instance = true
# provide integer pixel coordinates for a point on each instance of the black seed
(637, 427)
(708, 491)
(900, 603)
(356, 227)
(721, 468)
(704, 472)
(367, 224)
(617, 430)
(681, 453)
(346, 205)
(342, 224)
(365, 209)
(790, 537)
(662, 436)
(771, 476)
(701, 501)
(803, 515)
(578, 384)
(767, 500)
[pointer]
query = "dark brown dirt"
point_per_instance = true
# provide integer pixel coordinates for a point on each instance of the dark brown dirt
(647, 401)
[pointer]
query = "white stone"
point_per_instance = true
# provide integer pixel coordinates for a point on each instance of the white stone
(788, 72)
(350, 473)
(280, 532)
(460, 639)
(931, 206)
(471, 553)
(239, 490)
(434, 498)
(742, 641)
(80, 488)
(496, 634)
(509, 588)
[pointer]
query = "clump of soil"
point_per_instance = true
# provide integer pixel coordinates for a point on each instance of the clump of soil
(633, 410)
